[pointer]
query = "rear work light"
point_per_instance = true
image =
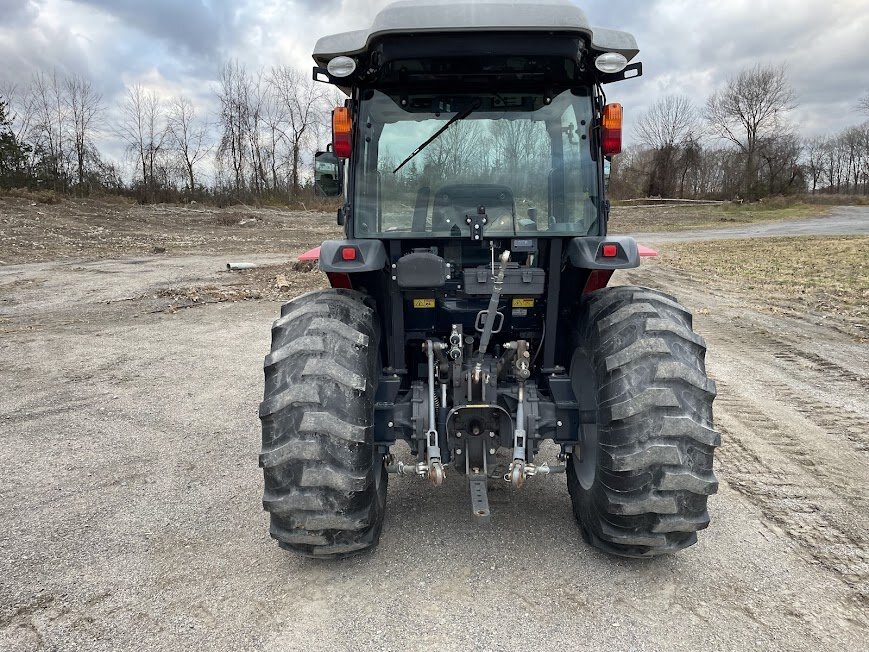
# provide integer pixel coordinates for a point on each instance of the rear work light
(611, 129)
(610, 251)
(342, 130)
(348, 253)
(341, 67)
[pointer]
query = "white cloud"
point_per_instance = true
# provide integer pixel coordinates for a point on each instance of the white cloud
(687, 47)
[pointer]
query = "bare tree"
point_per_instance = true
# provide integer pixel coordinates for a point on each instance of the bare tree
(304, 101)
(257, 99)
(85, 105)
(188, 136)
(233, 93)
(672, 120)
(863, 104)
(21, 105)
(143, 130)
(779, 165)
(50, 127)
(749, 110)
(814, 150)
(671, 128)
(275, 119)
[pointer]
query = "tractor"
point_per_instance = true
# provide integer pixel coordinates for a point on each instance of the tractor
(469, 313)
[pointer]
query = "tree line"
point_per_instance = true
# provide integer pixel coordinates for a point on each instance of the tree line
(268, 122)
(741, 144)
(254, 146)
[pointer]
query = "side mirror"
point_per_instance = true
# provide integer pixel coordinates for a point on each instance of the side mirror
(327, 175)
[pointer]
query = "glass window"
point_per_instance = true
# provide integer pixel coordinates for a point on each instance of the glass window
(528, 163)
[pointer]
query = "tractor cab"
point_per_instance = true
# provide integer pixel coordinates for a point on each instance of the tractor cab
(440, 117)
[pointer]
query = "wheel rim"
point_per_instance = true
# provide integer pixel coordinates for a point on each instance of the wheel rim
(586, 397)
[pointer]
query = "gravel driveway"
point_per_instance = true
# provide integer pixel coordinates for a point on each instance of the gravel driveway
(130, 513)
(841, 220)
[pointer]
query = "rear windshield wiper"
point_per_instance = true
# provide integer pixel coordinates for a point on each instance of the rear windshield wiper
(458, 116)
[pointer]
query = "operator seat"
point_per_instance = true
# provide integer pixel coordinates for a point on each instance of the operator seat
(452, 203)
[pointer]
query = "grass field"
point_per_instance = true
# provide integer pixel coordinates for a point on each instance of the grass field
(824, 275)
(647, 219)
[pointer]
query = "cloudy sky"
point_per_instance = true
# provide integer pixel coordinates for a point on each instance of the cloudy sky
(687, 46)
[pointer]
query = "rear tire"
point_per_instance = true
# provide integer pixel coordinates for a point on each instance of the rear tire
(325, 483)
(640, 486)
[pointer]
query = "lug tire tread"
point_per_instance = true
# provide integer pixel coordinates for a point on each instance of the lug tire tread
(325, 486)
(656, 438)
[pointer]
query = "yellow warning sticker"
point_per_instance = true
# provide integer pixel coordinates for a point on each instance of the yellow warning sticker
(523, 303)
(423, 303)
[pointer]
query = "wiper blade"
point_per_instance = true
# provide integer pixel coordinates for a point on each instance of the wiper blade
(458, 116)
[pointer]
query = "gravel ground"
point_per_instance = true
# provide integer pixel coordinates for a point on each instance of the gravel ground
(130, 512)
(839, 220)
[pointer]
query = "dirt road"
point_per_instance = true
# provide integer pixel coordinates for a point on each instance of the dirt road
(130, 497)
(840, 220)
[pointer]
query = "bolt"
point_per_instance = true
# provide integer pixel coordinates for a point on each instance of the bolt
(458, 451)
(390, 424)
(491, 451)
(559, 423)
(492, 435)
(458, 435)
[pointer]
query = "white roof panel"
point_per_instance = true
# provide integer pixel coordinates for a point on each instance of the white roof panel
(416, 16)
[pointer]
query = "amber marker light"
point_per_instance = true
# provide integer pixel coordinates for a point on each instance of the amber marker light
(611, 132)
(342, 130)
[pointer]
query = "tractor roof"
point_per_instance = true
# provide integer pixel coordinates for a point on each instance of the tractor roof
(416, 16)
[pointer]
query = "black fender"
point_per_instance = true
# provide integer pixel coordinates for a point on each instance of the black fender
(588, 252)
(369, 256)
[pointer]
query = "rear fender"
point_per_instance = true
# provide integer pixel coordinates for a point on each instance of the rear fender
(369, 256)
(593, 252)
(588, 253)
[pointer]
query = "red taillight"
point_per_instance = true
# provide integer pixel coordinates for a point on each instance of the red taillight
(610, 251)
(342, 130)
(348, 253)
(611, 129)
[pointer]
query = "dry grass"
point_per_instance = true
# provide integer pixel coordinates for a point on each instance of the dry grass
(836, 200)
(647, 219)
(92, 229)
(34, 196)
(828, 276)
(269, 282)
